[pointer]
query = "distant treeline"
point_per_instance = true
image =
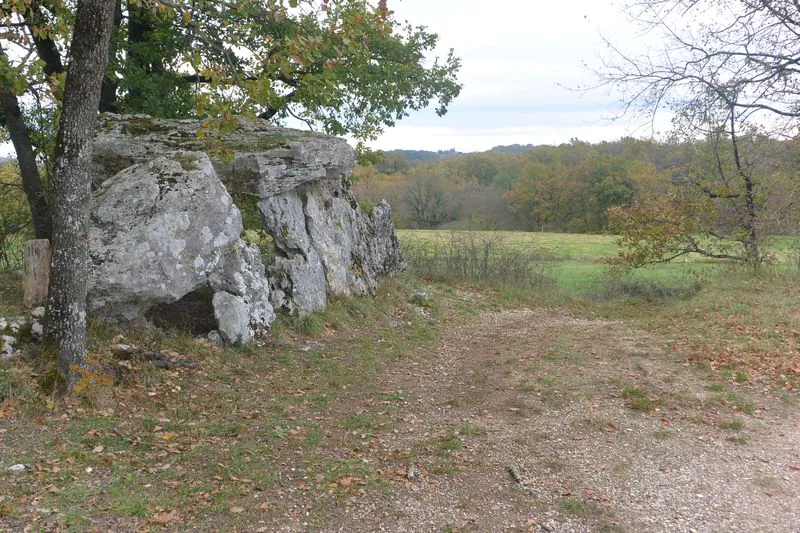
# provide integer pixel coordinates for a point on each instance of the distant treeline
(553, 188)
(394, 160)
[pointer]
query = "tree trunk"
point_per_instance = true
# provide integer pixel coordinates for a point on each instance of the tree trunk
(36, 272)
(26, 158)
(108, 91)
(749, 219)
(66, 299)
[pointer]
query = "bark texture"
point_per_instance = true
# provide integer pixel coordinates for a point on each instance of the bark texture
(65, 328)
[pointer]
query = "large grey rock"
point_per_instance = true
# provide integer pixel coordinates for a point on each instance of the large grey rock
(158, 230)
(166, 228)
(254, 150)
(325, 245)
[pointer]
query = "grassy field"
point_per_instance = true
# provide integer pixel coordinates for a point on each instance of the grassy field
(577, 262)
(722, 315)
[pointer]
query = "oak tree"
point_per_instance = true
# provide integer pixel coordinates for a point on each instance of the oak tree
(340, 66)
(65, 326)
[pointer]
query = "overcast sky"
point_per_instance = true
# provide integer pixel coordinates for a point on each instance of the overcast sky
(520, 59)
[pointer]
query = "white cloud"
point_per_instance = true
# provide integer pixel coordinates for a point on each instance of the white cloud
(522, 62)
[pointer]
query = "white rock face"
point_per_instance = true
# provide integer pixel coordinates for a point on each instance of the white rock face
(168, 227)
(164, 224)
(146, 239)
(326, 246)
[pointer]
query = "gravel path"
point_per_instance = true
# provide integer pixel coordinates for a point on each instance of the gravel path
(549, 442)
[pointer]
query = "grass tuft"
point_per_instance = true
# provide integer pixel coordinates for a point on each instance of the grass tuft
(638, 399)
(16, 382)
(310, 325)
(735, 424)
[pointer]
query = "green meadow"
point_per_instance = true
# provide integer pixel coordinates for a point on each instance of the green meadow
(578, 263)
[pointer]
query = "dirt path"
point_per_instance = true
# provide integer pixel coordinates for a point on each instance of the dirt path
(533, 420)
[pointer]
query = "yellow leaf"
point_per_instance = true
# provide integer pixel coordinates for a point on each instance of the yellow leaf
(166, 518)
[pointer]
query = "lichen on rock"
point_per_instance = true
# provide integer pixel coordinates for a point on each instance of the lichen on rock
(164, 223)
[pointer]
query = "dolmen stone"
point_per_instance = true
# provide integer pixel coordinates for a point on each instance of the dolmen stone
(164, 224)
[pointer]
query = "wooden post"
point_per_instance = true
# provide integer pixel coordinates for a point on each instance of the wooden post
(36, 272)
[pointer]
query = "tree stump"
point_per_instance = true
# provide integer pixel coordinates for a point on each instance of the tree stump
(36, 272)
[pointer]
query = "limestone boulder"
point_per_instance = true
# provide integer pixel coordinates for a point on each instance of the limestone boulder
(252, 157)
(158, 229)
(324, 244)
(164, 229)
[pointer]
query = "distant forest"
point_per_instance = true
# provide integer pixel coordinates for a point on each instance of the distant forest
(565, 188)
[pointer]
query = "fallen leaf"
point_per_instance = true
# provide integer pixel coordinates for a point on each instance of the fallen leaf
(237, 510)
(166, 518)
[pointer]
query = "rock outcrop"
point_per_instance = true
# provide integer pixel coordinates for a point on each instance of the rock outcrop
(164, 229)
(164, 224)
(254, 158)
(326, 245)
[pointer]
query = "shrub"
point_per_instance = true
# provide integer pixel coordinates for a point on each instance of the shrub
(482, 258)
